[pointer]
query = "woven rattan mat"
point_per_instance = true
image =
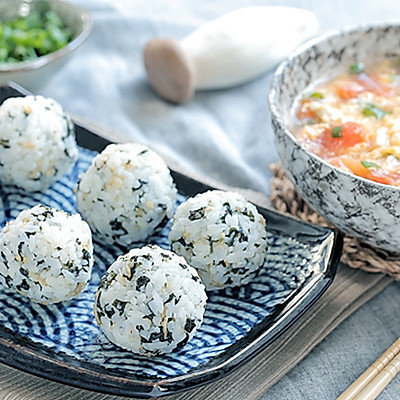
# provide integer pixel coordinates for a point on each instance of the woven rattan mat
(285, 199)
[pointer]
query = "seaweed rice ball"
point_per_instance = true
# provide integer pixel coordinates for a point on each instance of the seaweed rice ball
(150, 301)
(37, 142)
(46, 254)
(222, 235)
(126, 193)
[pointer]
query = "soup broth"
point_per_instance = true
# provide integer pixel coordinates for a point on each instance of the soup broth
(353, 121)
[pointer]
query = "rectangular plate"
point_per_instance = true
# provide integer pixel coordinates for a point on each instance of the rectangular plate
(63, 343)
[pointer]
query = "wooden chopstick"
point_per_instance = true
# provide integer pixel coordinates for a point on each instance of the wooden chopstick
(374, 387)
(374, 379)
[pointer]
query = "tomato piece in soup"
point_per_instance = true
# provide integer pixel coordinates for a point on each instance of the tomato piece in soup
(373, 174)
(349, 89)
(305, 113)
(350, 134)
(374, 84)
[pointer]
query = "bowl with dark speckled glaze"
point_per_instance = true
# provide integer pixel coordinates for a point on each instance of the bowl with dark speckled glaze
(359, 207)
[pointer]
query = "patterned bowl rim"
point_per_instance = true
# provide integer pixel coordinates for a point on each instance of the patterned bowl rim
(287, 63)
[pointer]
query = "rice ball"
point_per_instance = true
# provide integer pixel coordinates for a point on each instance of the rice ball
(222, 235)
(126, 193)
(37, 142)
(46, 254)
(150, 301)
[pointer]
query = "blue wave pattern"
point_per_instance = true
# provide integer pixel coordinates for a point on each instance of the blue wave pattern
(70, 328)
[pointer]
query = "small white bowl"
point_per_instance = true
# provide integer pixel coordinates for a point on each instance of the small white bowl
(33, 74)
(362, 208)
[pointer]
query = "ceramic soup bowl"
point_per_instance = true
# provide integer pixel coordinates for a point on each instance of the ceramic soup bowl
(359, 207)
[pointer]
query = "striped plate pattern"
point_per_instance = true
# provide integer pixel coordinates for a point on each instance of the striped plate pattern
(70, 328)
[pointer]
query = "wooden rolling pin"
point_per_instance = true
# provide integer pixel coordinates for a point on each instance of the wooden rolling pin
(227, 51)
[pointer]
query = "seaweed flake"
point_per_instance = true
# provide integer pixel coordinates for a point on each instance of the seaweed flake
(146, 257)
(120, 305)
(159, 336)
(5, 143)
(107, 280)
(142, 182)
(162, 206)
(9, 281)
(165, 257)
(183, 266)
(142, 281)
(235, 233)
(5, 261)
(150, 316)
(197, 214)
(20, 245)
(229, 281)
(183, 342)
(23, 286)
(86, 255)
(170, 298)
(109, 313)
(117, 226)
(249, 213)
(190, 325)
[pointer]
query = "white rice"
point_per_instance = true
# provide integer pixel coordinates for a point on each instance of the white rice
(150, 301)
(126, 193)
(46, 254)
(221, 235)
(37, 142)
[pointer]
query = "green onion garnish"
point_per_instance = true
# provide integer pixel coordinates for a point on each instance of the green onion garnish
(316, 95)
(369, 164)
(27, 37)
(357, 68)
(373, 111)
(336, 132)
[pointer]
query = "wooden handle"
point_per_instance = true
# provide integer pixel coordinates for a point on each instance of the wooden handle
(373, 388)
(376, 377)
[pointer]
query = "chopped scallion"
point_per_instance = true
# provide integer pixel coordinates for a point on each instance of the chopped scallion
(34, 35)
(336, 132)
(373, 111)
(357, 68)
(316, 95)
(369, 164)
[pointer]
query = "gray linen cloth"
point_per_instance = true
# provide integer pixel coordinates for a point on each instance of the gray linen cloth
(226, 136)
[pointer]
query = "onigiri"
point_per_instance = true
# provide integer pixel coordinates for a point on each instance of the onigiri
(150, 301)
(46, 254)
(126, 193)
(37, 142)
(222, 235)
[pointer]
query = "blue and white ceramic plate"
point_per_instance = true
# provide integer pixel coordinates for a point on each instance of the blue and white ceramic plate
(63, 343)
